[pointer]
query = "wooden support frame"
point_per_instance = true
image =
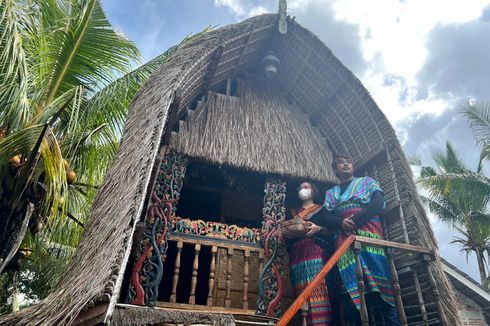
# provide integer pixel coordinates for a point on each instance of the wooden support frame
(394, 245)
(360, 284)
(430, 259)
(91, 316)
(356, 242)
(396, 287)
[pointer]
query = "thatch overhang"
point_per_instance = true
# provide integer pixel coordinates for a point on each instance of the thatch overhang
(336, 101)
(256, 130)
(125, 315)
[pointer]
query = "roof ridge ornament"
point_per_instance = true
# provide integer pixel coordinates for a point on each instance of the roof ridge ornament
(283, 24)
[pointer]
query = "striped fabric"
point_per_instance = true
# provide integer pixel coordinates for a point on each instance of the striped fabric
(373, 260)
(306, 259)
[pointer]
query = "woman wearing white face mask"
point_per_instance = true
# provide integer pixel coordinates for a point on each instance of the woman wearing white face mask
(307, 255)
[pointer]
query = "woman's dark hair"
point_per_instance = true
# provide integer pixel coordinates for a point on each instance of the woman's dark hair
(314, 192)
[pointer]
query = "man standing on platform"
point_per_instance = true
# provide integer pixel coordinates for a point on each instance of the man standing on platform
(354, 207)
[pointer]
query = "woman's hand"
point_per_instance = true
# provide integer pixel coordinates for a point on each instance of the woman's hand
(348, 224)
(312, 228)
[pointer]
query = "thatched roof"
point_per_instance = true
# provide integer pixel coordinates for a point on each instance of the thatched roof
(336, 101)
(125, 315)
(258, 130)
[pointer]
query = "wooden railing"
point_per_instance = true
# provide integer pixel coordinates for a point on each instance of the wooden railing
(356, 242)
(223, 253)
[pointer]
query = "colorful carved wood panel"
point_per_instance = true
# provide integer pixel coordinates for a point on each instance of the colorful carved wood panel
(271, 284)
(148, 268)
(215, 230)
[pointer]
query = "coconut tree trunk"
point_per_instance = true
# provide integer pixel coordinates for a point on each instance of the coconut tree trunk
(14, 224)
(15, 293)
(481, 266)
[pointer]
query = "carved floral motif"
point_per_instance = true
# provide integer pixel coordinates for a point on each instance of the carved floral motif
(148, 269)
(215, 230)
(271, 285)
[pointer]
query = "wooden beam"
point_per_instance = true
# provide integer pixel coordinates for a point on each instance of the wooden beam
(92, 316)
(360, 284)
(369, 158)
(392, 244)
(213, 67)
(283, 24)
(237, 66)
(202, 308)
(172, 117)
(209, 241)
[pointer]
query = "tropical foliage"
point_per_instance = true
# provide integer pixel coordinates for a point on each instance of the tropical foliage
(459, 196)
(66, 80)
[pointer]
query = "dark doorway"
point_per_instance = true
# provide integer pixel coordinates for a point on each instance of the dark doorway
(222, 194)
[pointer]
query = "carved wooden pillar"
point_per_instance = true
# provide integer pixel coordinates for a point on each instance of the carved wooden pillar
(148, 268)
(271, 285)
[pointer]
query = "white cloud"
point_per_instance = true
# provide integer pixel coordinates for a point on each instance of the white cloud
(235, 6)
(399, 102)
(258, 10)
(244, 8)
(397, 30)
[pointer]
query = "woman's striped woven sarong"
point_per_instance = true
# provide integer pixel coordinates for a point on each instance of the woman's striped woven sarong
(306, 259)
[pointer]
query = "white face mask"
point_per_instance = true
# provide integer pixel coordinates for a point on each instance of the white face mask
(304, 193)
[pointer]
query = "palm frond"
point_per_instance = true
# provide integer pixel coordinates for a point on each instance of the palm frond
(110, 104)
(478, 116)
(14, 75)
(484, 156)
(18, 143)
(449, 161)
(443, 209)
(84, 47)
(469, 187)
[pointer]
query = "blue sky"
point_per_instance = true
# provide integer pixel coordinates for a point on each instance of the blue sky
(420, 59)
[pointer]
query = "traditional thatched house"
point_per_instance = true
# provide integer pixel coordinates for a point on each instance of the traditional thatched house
(176, 225)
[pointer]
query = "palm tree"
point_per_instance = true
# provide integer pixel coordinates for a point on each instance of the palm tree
(460, 197)
(66, 81)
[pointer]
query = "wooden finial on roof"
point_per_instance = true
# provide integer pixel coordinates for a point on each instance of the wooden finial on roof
(283, 25)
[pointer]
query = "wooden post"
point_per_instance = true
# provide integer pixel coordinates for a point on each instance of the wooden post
(271, 283)
(147, 271)
(228, 87)
(360, 284)
(195, 266)
(228, 278)
(433, 285)
(261, 261)
(420, 297)
(372, 316)
(246, 255)
(175, 280)
(396, 287)
(212, 271)
(304, 313)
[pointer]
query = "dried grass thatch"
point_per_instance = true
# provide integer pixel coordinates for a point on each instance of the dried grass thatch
(258, 130)
(334, 98)
(125, 315)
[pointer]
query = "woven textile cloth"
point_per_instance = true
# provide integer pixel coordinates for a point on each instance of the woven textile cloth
(374, 261)
(306, 259)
